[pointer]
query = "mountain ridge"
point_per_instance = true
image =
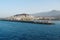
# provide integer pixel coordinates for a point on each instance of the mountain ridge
(49, 13)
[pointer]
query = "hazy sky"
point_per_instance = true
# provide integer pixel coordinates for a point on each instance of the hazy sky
(12, 7)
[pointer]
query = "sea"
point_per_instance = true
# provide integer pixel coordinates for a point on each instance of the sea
(29, 31)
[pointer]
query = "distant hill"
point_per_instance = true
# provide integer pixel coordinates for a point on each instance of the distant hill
(21, 14)
(50, 13)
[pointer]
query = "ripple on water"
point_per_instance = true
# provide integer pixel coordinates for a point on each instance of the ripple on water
(27, 31)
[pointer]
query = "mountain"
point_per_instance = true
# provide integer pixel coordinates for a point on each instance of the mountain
(50, 13)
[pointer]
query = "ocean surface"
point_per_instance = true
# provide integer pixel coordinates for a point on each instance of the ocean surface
(28, 31)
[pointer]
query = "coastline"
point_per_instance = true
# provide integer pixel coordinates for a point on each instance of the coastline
(33, 22)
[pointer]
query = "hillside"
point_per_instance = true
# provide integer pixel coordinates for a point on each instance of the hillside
(50, 13)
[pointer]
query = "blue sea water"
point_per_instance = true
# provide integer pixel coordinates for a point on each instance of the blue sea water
(28, 31)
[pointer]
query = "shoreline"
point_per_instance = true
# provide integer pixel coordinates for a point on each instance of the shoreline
(33, 22)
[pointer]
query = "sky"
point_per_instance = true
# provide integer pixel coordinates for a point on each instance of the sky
(12, 7)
